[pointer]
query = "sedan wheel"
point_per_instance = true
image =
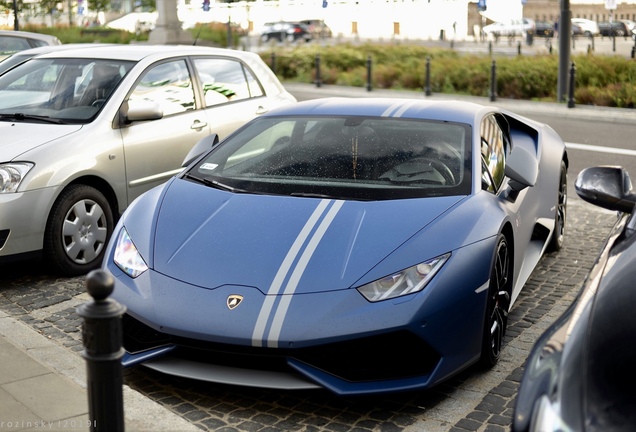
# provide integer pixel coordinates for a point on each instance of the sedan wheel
(497, 307)
(78, 229)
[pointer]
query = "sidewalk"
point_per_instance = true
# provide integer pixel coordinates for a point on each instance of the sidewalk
(43, 387)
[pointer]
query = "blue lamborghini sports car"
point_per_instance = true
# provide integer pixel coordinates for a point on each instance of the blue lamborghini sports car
(358, 245)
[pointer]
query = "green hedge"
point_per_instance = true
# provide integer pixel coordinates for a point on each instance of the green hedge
(600, 80)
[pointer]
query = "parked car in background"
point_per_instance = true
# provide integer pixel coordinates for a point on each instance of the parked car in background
(631, 26)
(308, 249)
(576, 30)
(617, 28)
(22, 56)
(544, 29)
(588, 27)
(286, 31)
(86, 131)
(510, 28)
(318, 28)
(12, 41)
(579, 376)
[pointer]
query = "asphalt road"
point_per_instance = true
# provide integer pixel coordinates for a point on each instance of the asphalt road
(472, 401)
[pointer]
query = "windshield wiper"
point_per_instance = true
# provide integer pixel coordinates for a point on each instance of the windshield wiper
(22, 116)
(217, 184)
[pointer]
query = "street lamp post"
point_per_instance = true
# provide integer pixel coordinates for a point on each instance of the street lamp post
(16, 24)
(565, 31)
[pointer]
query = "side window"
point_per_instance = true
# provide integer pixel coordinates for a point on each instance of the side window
(493, 154)
(10, 44)
(223, 80)
(169, 85)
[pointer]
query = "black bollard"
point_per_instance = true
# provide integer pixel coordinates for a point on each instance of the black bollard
(229, 34)
(427, 78)
(102, 338)
(318, 79)
(369, 86)
(493, 81)
(518, 48)
(490, 47)
(571, 89)
(273, 62)
(633, 51)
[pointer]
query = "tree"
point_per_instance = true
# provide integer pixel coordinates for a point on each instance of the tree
(98, 5)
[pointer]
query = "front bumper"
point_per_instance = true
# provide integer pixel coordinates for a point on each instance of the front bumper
(23, 218)
(335, 340)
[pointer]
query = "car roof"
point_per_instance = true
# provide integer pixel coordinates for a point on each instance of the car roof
(31, 35)
(137, 52)
(462, 112)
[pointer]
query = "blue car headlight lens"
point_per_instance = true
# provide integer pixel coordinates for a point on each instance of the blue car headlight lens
(127, 257)
(407, 281)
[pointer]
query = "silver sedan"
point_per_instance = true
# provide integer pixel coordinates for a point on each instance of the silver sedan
(85, 132)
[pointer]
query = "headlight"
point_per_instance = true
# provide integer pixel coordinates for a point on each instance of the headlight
(126, 256)
(410, 280)
(11, 174)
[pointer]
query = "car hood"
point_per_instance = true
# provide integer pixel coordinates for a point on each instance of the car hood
(210, 238)
(20, 137)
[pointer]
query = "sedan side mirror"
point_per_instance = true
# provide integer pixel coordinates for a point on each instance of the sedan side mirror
(199, 148)
(609, 187)
(141, 110)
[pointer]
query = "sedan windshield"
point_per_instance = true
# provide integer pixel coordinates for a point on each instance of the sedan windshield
(347, 157)
(68, 90)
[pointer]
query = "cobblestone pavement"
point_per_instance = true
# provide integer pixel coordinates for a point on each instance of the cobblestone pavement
(472, 401)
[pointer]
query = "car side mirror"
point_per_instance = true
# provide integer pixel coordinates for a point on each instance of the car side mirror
(609, 187)
(203, 146)
(522, 169)
(142, 110)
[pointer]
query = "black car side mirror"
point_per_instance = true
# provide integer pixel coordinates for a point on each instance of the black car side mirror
(609, 187)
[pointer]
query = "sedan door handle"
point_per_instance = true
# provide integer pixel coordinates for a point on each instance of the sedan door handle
(261, 110)
(198, 125)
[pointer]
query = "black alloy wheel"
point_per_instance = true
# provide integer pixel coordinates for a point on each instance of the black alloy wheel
(558, 235)
(497, 306)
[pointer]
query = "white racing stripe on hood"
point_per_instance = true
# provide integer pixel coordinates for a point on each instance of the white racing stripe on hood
(292, 284)
(281, 274)
(397, 109)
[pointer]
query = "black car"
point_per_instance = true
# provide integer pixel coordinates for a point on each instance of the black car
(544, 29)
(617, 28)
(318, 28)
(285, 31)
(580, 374)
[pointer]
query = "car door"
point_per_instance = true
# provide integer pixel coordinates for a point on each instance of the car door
(232, 95)
(155, 149)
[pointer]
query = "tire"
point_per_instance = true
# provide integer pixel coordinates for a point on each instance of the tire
(497, 306)
(265, 38)
(557, 239)
(77, 231)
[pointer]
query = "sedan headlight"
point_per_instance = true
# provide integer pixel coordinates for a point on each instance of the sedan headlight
(127, 257)
(408, 281)
(11, 175)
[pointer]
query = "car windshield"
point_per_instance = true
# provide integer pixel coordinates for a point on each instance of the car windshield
(66, 90)
(347, 157)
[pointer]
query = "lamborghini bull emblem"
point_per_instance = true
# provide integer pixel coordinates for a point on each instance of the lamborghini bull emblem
(234, 300)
